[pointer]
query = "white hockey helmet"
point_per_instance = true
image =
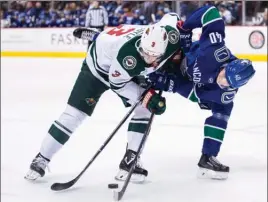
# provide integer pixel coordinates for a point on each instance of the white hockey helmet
(153, 44)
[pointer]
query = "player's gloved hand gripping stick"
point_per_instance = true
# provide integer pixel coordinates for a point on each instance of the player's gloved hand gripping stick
(66, 185)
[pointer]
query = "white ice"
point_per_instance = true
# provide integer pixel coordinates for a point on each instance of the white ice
(33, 95)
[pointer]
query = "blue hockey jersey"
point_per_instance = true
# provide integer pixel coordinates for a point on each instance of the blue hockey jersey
(204, 60)
(207, 56)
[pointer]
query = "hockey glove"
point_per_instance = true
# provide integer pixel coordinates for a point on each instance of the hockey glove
(162, 81)
(154, 102)
(89, 34)
(185, 36)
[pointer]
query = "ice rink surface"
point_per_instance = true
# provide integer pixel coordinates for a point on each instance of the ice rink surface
(33, 95)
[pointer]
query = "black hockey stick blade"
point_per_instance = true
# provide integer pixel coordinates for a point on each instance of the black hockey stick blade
(62, 186)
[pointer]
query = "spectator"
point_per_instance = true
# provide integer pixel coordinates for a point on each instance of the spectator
(38, 9)
(226, 14)
(187, 7)
(61, 20)
(162, 5)
(128, 16)
(69, 21)
(138, 18)
(4, 21)
(110, 6)
(53, 21)
(66, 13)
(148, 9)
(116, 17)
(160, 13)
(118, 6)
(209, 3)
(260, 19)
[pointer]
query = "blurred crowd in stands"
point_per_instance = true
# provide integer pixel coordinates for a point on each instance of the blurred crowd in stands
(231, 11)
(72, 14)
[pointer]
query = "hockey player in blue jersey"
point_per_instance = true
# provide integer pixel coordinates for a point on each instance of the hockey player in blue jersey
(210, 75)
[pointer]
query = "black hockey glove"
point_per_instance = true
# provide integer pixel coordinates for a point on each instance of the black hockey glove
(89, 34)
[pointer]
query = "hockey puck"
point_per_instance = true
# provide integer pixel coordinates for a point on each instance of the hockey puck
(113, 186)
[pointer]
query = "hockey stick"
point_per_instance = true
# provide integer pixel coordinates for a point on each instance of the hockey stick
(62, 186)
(118, 195)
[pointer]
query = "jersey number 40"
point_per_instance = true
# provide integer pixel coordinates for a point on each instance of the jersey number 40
(215, 37)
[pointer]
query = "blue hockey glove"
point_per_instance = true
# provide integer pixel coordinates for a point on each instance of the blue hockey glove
(185, 37)
(239, 72)
(162, 81)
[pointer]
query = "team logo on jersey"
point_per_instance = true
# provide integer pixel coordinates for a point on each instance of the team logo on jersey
(227, 97)
(210, 80)
(173, 37)
(222, 54)
(129, 62)
(90, 101)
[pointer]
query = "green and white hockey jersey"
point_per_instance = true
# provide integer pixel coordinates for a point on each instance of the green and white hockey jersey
(113, 58)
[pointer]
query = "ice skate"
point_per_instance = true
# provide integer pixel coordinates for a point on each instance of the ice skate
(139, 173)
(37, 168)
(210, 167)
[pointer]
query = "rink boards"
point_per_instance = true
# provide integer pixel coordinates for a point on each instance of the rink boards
(244, 42)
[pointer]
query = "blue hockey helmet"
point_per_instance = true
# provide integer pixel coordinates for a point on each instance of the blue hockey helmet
(239, 72)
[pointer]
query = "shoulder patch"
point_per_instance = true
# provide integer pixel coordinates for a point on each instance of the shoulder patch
(173, 37)
(129, 62)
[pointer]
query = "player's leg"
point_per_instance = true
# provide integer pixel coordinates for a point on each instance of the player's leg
(82, 101)
(136, 130)
(214, 131)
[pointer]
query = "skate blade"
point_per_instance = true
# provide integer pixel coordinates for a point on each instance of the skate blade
(135, 178)
(204, 173)
(32, 175)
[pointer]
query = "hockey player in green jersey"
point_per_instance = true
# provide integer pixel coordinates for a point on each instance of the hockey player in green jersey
(117, 56)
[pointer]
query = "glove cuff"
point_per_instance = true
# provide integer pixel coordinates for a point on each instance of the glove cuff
(147, 98)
